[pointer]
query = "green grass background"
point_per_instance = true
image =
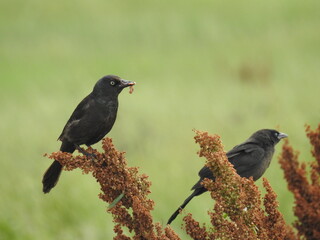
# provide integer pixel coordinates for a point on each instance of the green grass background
(227, 67)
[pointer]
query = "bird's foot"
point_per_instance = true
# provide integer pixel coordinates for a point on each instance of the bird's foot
(87, 154)
(92, 156)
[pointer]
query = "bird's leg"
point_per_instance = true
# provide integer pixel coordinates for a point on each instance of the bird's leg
(91, 155)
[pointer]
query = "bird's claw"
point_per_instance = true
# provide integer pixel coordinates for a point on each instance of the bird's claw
(93, 157)
(87, 154)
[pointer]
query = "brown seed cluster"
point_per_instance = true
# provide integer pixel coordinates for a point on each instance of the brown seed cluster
(133, 211)
(305, 186)
(237, 212)
(194, 229)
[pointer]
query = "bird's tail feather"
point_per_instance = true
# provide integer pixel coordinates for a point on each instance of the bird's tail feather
(175, 214)
(51, 176)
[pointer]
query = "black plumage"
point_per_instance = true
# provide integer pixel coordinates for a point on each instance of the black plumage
(92, 119)
(250, 159)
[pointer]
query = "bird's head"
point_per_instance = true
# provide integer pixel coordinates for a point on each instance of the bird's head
(111, 84)
(268, 136)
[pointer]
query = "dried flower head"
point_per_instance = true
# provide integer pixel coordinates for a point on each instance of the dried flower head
(124, 188)
(306, 189)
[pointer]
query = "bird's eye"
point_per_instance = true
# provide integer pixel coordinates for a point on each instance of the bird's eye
(112, 83)
(276, 134)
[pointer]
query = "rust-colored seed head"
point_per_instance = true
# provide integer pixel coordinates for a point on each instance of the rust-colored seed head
(306, 190)
(133, 210)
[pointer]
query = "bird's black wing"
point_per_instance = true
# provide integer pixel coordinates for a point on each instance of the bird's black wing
(248, 152)
(77, 114)
(244, 157)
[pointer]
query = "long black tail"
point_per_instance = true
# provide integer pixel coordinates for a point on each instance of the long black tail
(196, 192)
(51, 176)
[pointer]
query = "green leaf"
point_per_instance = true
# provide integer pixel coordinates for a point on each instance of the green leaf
(116, 201)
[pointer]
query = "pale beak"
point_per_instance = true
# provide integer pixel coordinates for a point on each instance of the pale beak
(282, 135)
(126, 83)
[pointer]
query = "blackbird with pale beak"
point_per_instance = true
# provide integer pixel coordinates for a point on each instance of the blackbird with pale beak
(92, 119)
(250, 159)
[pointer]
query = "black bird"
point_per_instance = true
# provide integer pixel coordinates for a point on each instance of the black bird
(250, 159)
(92, 119)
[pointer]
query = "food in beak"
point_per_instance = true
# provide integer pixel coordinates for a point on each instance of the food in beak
(131, 89)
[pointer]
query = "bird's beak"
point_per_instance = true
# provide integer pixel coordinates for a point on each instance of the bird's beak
(126, 83)
(282, 135)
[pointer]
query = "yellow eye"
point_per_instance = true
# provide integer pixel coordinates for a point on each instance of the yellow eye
(112, 83)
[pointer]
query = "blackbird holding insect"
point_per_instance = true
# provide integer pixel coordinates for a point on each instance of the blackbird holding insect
(92, 119)
(250, 159)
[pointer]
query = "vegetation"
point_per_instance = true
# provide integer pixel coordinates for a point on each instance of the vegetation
(237, 212)
(224, 67)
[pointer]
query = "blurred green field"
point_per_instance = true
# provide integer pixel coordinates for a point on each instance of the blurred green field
(227, 67)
